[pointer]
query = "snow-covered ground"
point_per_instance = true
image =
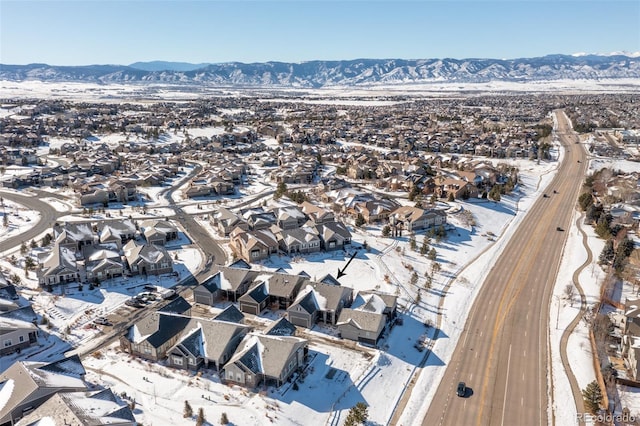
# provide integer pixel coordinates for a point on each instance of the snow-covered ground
(18, 218)
(339, 375)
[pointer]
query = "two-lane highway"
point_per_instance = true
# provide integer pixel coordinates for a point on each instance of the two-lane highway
(503, 353)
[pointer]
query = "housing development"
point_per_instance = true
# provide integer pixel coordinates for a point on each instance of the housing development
(310, 258)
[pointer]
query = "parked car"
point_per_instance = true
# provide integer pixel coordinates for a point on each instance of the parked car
(101, 321)
(462, 389)
(133, 302)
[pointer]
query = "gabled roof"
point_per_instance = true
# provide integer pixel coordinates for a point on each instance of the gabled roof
(157, 328)
(362, 320)
(266, 354)
(177, 306)
(258, 293)
(88, 408)
(329, 279)
(230, 314)
(281, 327)
(240, 263)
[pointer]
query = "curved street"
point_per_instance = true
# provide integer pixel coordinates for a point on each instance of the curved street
(503, 354)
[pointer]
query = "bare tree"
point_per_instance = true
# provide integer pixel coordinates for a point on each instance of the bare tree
(569, 292)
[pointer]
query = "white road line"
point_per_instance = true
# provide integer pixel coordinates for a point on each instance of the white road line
(506, 386)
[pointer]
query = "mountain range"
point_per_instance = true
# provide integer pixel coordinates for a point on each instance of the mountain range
(357, 72)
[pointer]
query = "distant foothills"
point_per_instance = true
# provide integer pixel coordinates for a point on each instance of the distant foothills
(357, 72)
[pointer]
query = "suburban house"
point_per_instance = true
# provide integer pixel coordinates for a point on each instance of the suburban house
(276, 291)
(333, 235)
(319, 302)
(59, 266)
(74, 235)
(153, 335)
(317, 215)
(100, 407)
(209, 291)
(415, 219)
(16, 335)
(158, 232)
(102, 261)
(298, 240)
(226, 221)
(253, 246)
(206, 343)
(115, 231)
(256, 299)
(147, 259)
(265, 359)
(368, 317)
(24, 386)
(234, 282)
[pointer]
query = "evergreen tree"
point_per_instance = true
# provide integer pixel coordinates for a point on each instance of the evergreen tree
(585, 200)
(188, 411)
(412, 242)
(23, 248)
(386, 231)
(224, 420)
(360, 220)
(357, 415)
(280, 190)
(414, 278)
(200, 420)
(592, 397)
(424, 248)
(432, 254)
(602, 228)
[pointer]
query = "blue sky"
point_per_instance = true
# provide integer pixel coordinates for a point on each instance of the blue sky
(84, 32)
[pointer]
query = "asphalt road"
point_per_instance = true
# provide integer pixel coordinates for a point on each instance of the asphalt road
(48, 216)
(503, 354)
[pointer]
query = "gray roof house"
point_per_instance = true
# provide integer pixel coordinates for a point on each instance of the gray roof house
(59, 266)
(153, 335)
(209, 290)
(368, 317)
(16, 335)
(265, 358)
(333, 235)
(206, 343)
(81, 409)
(147, 259)
(319, 302)
(256, 299)
(25, 386)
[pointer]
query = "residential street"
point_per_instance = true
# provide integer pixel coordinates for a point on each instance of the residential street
(503, 353)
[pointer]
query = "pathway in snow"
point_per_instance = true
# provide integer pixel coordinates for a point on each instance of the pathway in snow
(575, 388)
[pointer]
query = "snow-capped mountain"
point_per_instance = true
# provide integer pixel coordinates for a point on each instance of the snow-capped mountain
(358, 72)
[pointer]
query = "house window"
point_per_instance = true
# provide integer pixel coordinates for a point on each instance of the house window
(152, 266)
(7, 343)
(21, 339)
(177, 360)
(147, 350)
(192, 361)
(248, 378)
(255, 253)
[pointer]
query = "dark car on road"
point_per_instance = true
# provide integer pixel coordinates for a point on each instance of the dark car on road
(462, 389)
